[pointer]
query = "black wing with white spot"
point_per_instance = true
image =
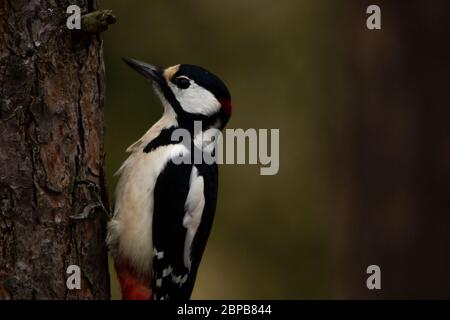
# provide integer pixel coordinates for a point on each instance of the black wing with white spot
(184, 205)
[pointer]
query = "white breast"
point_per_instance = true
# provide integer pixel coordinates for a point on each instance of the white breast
(130, 230)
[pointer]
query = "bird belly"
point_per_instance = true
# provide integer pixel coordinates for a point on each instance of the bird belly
(130, 230)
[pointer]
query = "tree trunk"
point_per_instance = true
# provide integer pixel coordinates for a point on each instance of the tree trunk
(393, 179)
(51, 154)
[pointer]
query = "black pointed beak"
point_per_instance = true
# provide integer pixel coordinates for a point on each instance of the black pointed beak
(149, 71)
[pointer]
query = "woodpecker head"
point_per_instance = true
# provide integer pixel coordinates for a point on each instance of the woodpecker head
(192, 92)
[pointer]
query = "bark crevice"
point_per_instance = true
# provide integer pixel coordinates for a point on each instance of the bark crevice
(51, 137)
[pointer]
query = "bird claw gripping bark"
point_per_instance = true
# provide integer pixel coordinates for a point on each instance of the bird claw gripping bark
(89, 210)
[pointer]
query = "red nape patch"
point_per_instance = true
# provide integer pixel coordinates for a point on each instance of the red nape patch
(226, 104)
(133, 288)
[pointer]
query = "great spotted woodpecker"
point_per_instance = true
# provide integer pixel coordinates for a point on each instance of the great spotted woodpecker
(164, 211)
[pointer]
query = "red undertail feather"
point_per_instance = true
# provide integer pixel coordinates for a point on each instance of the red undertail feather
(133, 288)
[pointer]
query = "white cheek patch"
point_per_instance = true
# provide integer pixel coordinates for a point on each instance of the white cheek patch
(196, 99)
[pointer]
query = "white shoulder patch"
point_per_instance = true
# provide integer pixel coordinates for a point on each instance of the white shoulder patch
(195, 203)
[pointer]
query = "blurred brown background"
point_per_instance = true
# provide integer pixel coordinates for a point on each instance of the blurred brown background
(364, 139)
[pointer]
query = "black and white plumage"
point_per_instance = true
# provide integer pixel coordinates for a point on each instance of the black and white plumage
(164, 211)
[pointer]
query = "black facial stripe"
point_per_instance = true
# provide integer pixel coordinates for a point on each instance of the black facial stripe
(208, 81)
(185, 119)
(170, 97)
(163, 139)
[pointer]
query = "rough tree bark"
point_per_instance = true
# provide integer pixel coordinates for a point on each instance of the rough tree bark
(51, 153)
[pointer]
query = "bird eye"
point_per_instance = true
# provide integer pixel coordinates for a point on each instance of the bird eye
(182, 82)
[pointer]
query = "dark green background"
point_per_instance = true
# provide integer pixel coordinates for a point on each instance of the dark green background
(364, 137)
(269, 237)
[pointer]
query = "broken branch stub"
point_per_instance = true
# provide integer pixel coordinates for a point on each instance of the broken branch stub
(97, 21)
